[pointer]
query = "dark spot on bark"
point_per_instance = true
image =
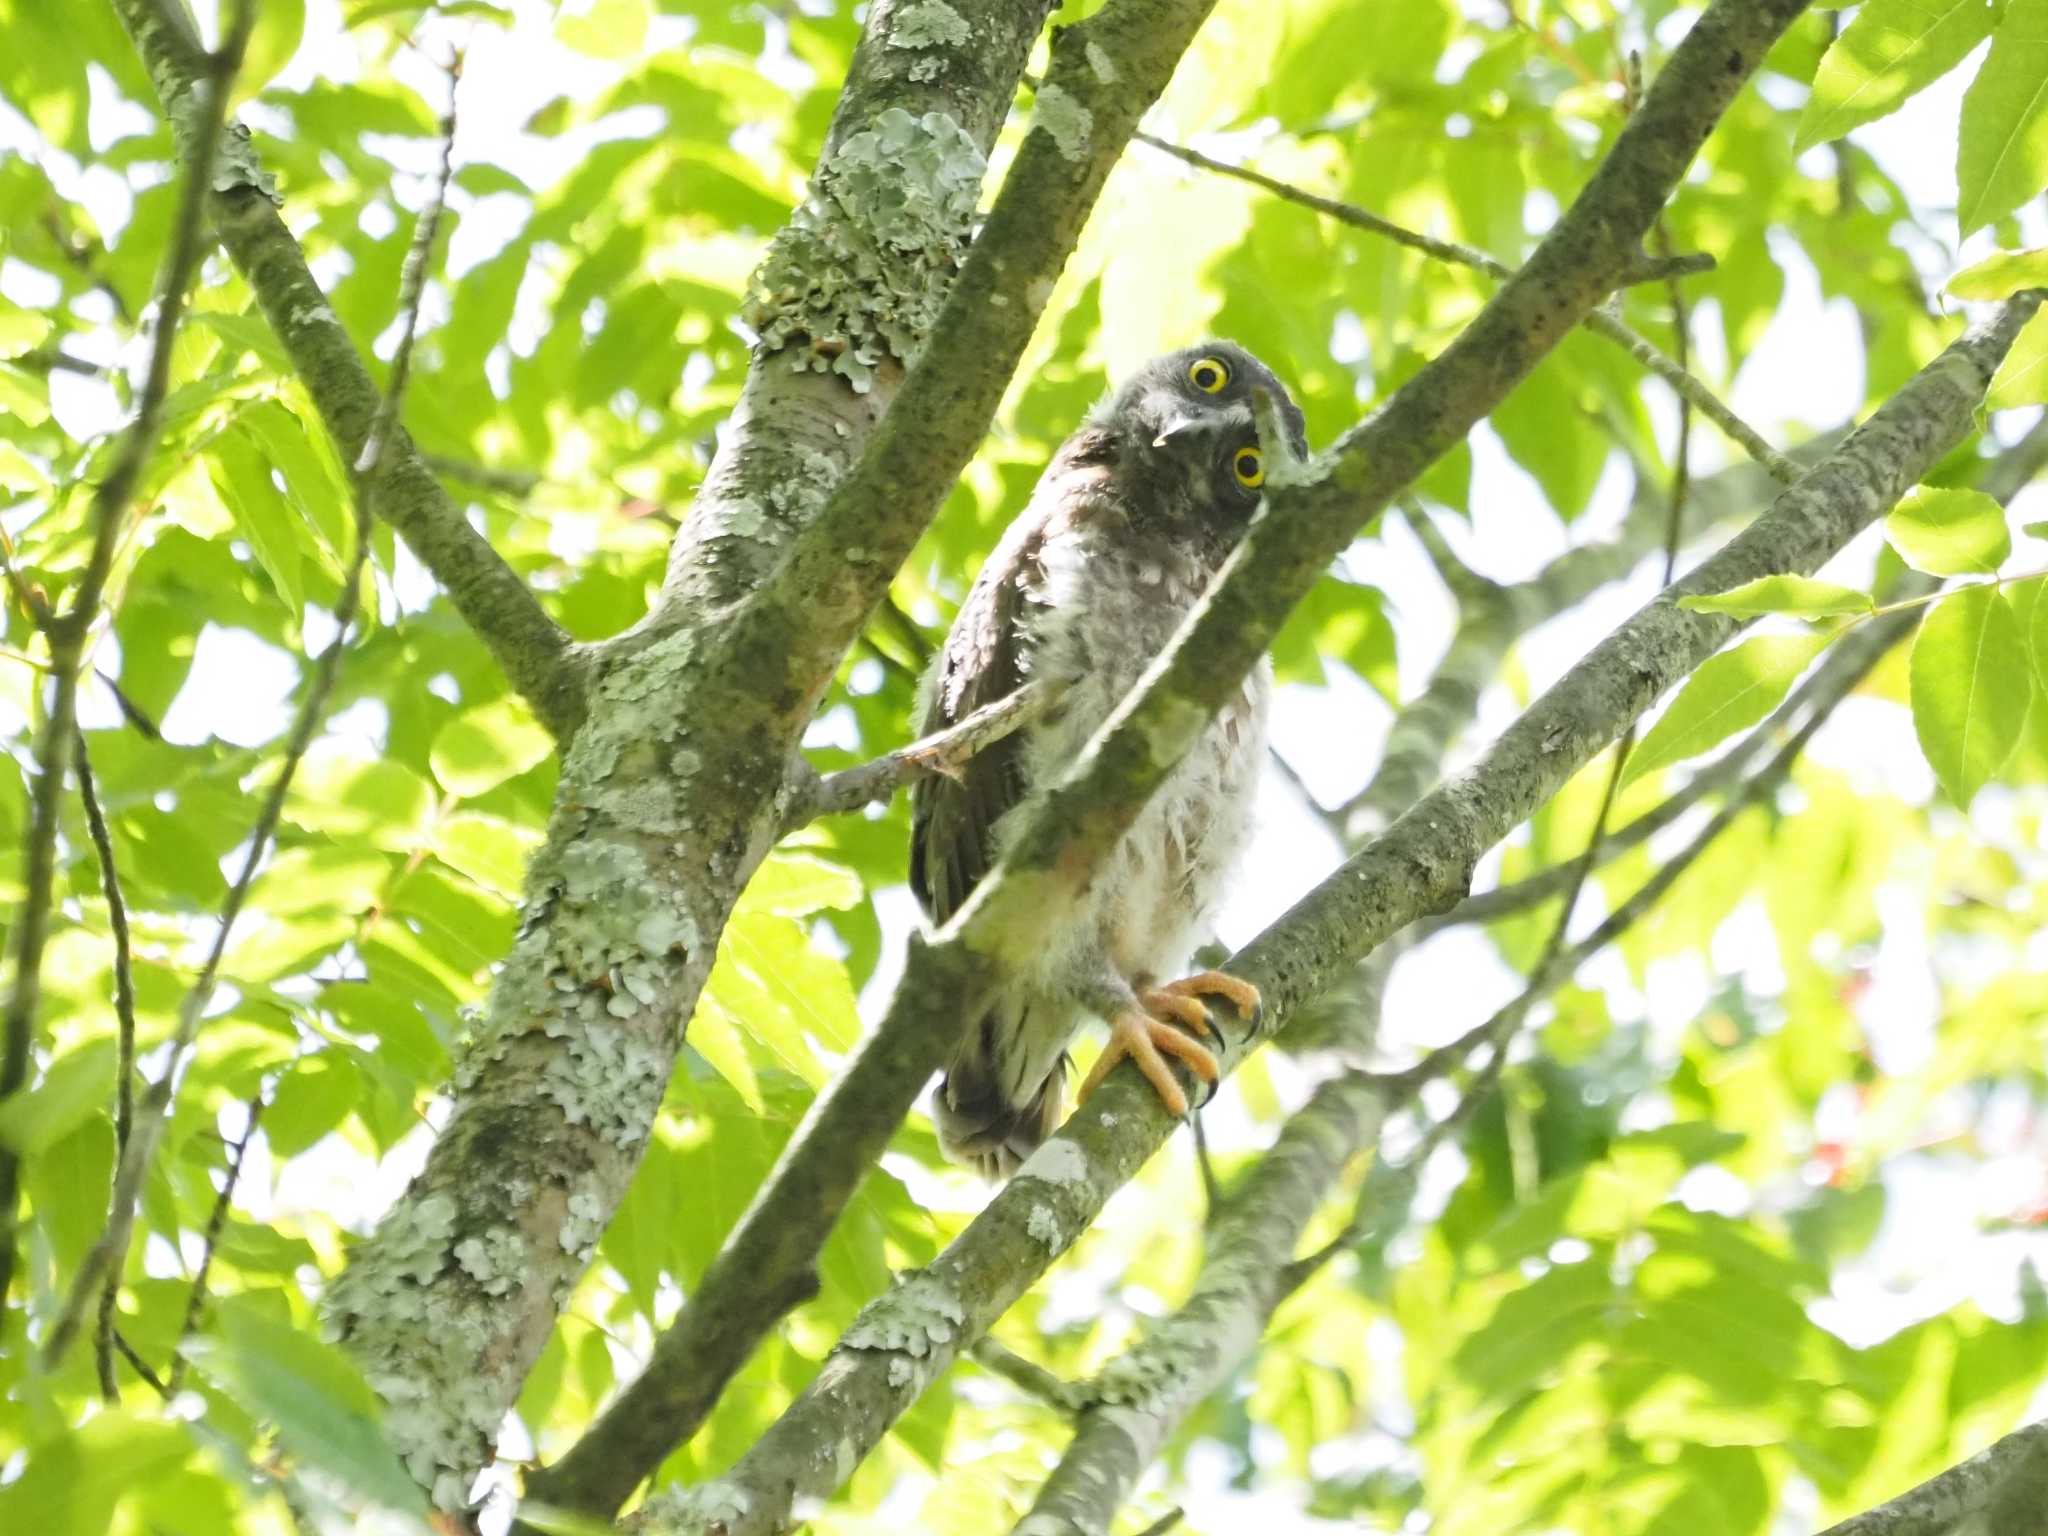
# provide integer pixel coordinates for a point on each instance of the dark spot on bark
(1734, 63)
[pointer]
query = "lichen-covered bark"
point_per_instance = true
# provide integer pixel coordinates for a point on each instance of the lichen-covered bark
(535, 652)
(1419, 865)
(768, 659)
(2001, 1491)
(671, 789)
(1138, 1400)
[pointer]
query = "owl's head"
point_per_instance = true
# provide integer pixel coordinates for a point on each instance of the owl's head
(1187, 432)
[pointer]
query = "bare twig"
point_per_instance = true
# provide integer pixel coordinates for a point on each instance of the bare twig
(67, 632)
(507, 482)
(216, 1224)
(124, 1020)
(1028, 1377)
(108, 1256)
(941, 752)
(1601, 321)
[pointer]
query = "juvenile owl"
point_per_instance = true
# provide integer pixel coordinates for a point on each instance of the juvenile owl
(1134, 515)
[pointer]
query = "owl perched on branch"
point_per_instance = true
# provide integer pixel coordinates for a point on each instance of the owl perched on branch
(1132, 518)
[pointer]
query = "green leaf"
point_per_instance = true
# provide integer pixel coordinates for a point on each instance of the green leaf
(481, 748)
(73, 1483)
(1892, 49)
(275, 38)
(491, 851)
(603, 29)
(1800, 595)
(383, 802)
(1970, 682)
(312, 1099)
(2022, 379)
(798, 884)
(242, 476)
(2002, 274)
(324, 1412)
(1734, 689)
(2002, 147)
(1947, 532)
(42, 1114)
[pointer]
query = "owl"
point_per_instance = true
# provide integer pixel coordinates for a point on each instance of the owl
(1135, 514)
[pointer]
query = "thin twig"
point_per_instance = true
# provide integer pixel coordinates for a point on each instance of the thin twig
(1602, 322)
(67, 632)
(216, 1224)
(141, 1366)
(109, 1254)
(124, 1020)
(1212, 1192)
(1165, 1522)
(1028, 1376)
(941, 752)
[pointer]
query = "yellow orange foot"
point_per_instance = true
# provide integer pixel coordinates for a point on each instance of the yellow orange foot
(1179, 998)
(1149, 1041)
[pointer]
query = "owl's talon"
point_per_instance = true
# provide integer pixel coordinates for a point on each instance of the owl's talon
(1159, 1002)
(1243, 996)
(1148, 1042)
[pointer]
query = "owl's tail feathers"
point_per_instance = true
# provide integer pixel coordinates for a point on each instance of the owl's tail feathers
(979, 1126)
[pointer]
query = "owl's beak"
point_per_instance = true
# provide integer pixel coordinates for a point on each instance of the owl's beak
(1173, 426)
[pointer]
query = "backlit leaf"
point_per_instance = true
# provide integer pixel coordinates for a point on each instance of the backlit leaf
(1970, 686)
(1731, 691)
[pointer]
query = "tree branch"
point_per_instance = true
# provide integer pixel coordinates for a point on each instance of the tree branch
(1602, 321)
(668, 800)
(944, 752)
(67, 632)
(905, 1339)
(124, 1029)
(2007, 1483)
(535, 653)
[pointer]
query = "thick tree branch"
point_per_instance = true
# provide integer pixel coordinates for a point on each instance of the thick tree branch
(67, 632)
(2000, 1491)
(1422, 862)
(1105, 72)
(2003, 477)
(1602, 321)
(534, 651)
(669, 798)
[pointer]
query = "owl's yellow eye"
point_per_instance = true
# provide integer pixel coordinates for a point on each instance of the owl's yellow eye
(1209, 375)
(1249, 465)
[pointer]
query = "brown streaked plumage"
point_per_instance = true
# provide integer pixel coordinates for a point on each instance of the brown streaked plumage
(1132, 518)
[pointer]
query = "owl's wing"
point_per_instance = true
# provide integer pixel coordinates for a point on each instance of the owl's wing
(952, 821)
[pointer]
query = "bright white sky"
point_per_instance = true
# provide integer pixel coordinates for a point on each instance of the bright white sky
(1806, 370)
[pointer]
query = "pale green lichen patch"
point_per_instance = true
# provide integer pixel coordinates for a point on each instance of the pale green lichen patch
(858, 274)
(1069, 123)
(496, 1261)
(1101, 64)
(929, 24)
(1043, 1224)
(916, 1316)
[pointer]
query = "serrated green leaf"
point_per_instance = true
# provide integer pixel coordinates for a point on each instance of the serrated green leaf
(1800, 595)
(1970, 684)
(798, 884)
(323, 1410)
(481, 748)
(2022, 379)
(1948, 532)
(382, 802)
(2002, 145)
(603, 29)
(242, 476)
(1733, 690)
(2001, 275)
(43, 1113)
(311, 1099)
(489, 850)
(1892, 49)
